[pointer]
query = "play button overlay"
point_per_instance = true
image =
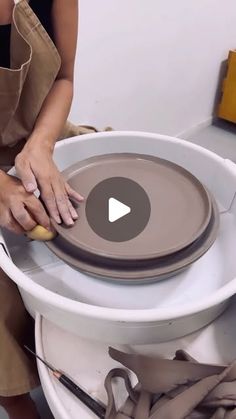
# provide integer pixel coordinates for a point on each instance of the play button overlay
(118, 209)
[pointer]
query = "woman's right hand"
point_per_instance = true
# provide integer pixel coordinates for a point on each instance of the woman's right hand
(20, 211)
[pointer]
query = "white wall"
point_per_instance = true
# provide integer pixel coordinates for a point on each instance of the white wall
(150, 64)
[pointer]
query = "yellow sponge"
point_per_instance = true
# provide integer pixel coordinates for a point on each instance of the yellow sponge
(41, 233)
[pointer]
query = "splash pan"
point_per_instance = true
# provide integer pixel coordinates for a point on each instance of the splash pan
(141, 313)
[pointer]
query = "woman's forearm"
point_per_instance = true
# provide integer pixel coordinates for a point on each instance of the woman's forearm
(54, 112)
(34, 164)
(53, 115)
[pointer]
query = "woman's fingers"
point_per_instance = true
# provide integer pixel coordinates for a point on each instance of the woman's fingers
(22, 217)
(15, 227)
(20, 211)
(55, 193)
(65, 208)
(56, 198)
(8, 222)
(49, 200)
(25, 173)
(38, 212)
(72, 210)
(73, 194)
(27, 214)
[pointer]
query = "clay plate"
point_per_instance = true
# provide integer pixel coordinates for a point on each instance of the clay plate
(139, 271)
(180, 206)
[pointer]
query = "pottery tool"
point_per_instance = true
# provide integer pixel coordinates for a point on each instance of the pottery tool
(85, 398)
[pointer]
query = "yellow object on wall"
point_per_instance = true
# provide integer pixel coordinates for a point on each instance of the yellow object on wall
(227, 107)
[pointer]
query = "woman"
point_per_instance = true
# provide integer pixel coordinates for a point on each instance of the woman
(37, 52)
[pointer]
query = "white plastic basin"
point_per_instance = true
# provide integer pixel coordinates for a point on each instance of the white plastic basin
(135, 314)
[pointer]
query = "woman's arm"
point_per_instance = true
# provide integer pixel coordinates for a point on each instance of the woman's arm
(51, 120)
(57, 105)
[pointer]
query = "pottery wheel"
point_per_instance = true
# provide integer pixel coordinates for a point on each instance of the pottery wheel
(168, 207)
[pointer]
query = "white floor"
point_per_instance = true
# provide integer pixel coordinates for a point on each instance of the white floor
(220, 138)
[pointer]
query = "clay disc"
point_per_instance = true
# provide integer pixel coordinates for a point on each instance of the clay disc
(139, 271)
(180, 207)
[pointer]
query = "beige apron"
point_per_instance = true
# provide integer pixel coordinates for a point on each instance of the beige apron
(35, 63)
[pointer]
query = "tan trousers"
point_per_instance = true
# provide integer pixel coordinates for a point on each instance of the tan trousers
(18, 375)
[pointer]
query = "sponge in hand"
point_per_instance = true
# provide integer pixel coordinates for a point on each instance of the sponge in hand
(40, 233)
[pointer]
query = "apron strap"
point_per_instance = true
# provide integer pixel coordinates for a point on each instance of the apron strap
(18, 1)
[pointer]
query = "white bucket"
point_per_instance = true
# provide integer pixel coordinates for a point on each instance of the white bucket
(137, 314)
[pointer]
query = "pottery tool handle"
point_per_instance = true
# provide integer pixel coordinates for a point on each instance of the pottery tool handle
(92, 404)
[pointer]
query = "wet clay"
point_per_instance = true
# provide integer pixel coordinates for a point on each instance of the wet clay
(137, 271)
(173, 389)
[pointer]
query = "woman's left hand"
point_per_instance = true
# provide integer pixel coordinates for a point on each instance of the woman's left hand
(36, 169)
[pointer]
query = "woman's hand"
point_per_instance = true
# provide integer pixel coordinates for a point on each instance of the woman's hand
(36, 169)
(20, 211)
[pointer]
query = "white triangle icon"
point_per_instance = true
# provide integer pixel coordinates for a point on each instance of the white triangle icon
(117, 210)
